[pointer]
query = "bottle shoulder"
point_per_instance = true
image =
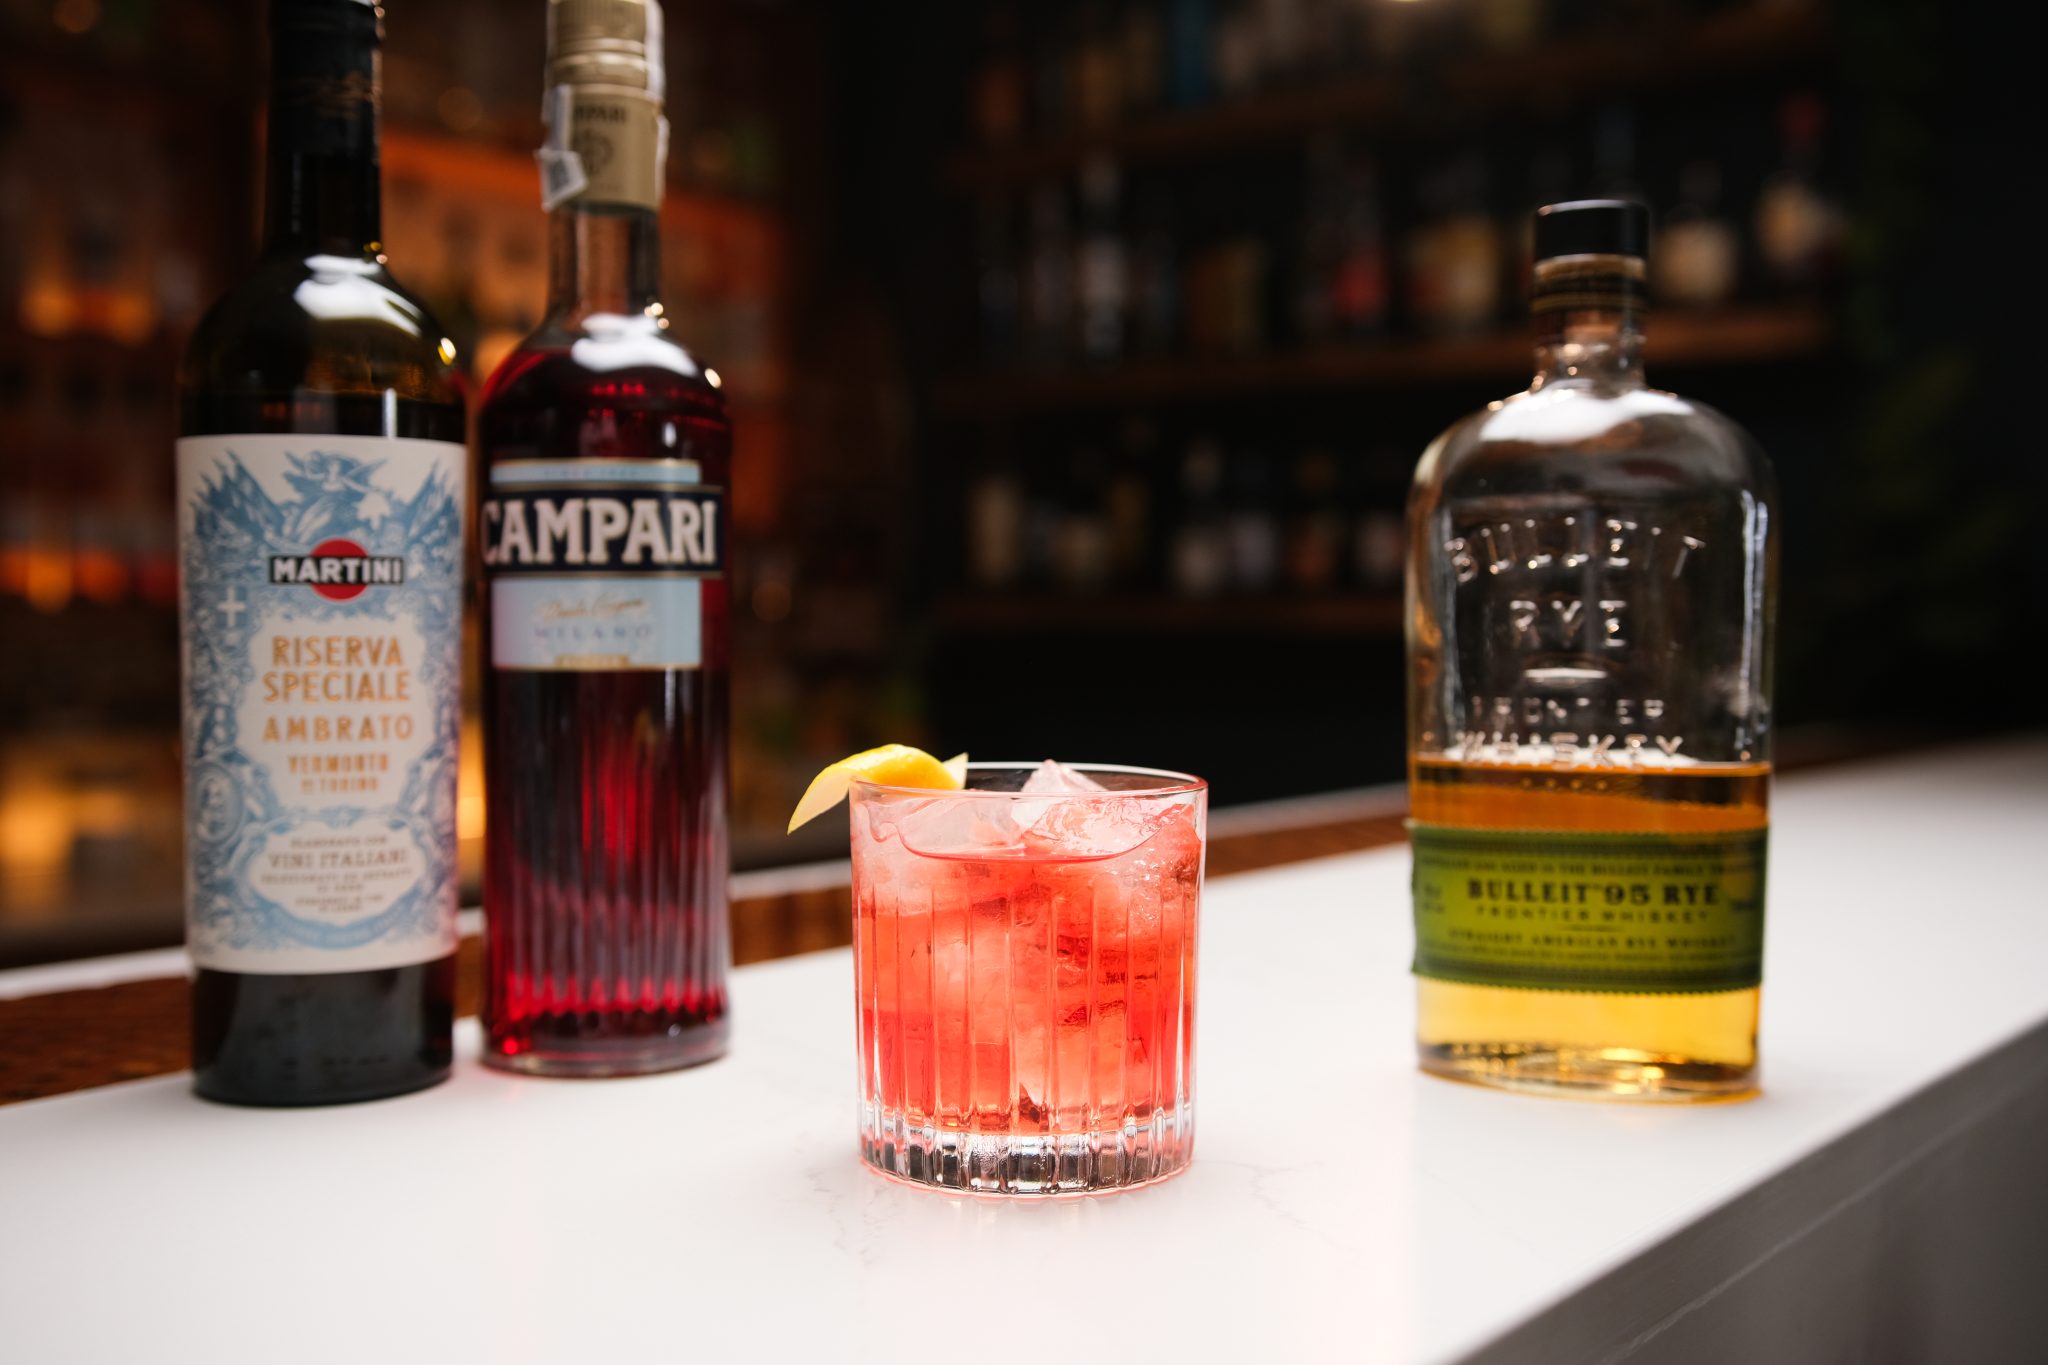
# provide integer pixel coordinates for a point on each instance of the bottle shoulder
(328, 324)
(1628, 439)
(619, 362)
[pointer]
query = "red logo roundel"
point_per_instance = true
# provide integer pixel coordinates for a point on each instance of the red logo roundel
(340, 549)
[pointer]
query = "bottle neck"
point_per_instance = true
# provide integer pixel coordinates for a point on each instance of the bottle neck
(323, 205)
(603, 258)
(1589, 320)
(322, 189)
(1601, 346)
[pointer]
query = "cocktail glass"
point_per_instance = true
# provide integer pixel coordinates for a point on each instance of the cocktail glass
(1024, 966)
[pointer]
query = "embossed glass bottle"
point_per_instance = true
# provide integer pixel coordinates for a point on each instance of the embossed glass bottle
(1590, 602)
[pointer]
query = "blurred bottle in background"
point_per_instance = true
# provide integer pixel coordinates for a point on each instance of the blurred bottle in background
(1798, 224)
(1102, 266)
(1189, 80)
(996, 512)
(1050, 293)
(1129, 504)
(1252, 523)
(1360, 292)
(1283, 31)
(1081, 551)
(1234, 49)
(998, 291)
(1508, 25)
(1142, 50)
(998, 97)
(1201, 555)
(1226, 296)
(1156, 277)
(1045, 517)
(1315, 524)
(1052, 76)
(1378, 535)
(1698, 256)
(1098, 69)
(1454, 256)
(1322, 241)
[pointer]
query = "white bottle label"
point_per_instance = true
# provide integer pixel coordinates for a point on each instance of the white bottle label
(321, 592)
(599, 565)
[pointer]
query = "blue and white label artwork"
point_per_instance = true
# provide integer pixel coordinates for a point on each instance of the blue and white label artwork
(599, 565)
(321, 587)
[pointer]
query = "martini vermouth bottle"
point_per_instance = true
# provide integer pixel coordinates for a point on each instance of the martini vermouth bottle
(1591, 587)
(320, 487)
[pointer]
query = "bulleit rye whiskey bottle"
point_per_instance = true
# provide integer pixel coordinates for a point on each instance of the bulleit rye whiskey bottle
(1590, 602)
(320, 486)
(606, 455)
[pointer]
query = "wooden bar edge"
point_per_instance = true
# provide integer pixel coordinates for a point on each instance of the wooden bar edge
(73, 1040)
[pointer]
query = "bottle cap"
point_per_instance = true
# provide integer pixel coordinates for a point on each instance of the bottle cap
(607, 141)
(615, 43)
(344, 19)
(324, 76)
(1592, 227)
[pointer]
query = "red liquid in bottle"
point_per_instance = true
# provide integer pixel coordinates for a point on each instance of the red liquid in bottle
(606, 853)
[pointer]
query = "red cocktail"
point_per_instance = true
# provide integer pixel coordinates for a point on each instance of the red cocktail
(1025, 968)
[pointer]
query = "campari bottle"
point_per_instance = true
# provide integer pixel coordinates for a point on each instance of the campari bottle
(605, 460)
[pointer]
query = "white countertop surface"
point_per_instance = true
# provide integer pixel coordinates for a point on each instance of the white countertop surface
(1341, 1206)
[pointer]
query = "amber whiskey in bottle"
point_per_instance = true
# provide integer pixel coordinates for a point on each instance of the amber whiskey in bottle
(1590, 596)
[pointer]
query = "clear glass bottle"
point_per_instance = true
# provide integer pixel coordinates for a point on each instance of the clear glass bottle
(606, 455)
(1591, 587)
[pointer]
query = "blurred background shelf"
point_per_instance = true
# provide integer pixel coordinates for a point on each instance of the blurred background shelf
(1080, 353)
(1650, 56)
(1737, 336)
(1156, 614)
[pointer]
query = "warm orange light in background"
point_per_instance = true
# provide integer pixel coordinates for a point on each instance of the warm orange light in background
(47, 306)
(72, 808)
(469, 804)
(47, 577)
(460, 108)
(100, 576)
(76, 16)
(36, 830)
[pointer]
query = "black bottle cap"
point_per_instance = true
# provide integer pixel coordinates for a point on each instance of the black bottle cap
(323, 77)
(1593, 227)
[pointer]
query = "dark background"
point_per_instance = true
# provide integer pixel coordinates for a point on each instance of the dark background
(1142, 516)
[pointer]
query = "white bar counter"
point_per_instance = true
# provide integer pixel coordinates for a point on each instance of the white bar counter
(1886, 1199)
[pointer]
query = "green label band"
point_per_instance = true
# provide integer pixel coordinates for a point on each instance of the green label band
(1640, 914)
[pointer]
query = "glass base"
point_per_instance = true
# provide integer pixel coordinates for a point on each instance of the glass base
(1044, 1164)
(1590, 1073)
(620, 1057)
